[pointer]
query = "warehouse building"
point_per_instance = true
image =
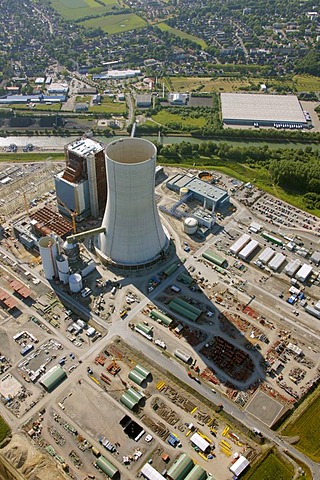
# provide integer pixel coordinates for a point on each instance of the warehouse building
(161, 317)
(277, 261)
(181, 467)
(143, 100)
(303, 273)
(215, 258)
(248, 250)
(53, 378)
(280, 111)
(266, 255)
(107, 467)
(292, 267)
(239, 466)
(185, 309)
(240, 244)
(211, 196)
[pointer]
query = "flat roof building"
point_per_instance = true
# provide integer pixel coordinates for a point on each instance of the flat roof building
(211, 196)
(143, 100)
(261, 110)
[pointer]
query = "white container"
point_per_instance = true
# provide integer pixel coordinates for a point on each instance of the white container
(63, 268)
(48, 249)
(75, 283)
(190, 226)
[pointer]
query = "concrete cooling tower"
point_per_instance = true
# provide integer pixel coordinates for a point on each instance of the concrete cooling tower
(134, 234)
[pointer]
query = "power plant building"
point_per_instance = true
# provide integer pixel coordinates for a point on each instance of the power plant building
(134, 236)
(211, 196)
(81, 187)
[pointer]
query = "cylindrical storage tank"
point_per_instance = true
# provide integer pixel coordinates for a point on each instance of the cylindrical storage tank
(143, 371)
(63, 268)
(134, 394)
(190, 226)
(134, 234)
(75, 283)
(137, 377)
(183, 191)
(72, 251)
(48, 250)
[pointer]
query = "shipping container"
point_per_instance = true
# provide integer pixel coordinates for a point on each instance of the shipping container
(185, 357)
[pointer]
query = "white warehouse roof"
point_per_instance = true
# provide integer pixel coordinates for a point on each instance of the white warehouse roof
(261, 107)
(240, 243)
(239, 466)
(304, 272)
(151, 473)
(199, 442)
(277, 261)
(266, 255)
(248, 249)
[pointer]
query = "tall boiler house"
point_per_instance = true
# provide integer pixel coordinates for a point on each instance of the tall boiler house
(134, 235)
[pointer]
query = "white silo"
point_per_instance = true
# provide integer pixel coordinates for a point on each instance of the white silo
(75, 282)
(134, 234)
(190, 225)
(48, 249)
(63, 268)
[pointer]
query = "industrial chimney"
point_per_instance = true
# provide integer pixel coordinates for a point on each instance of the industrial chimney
(134, 234)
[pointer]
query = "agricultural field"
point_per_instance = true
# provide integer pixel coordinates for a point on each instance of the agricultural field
(307, 427)
(166, 118)
(271, 468)
(75, 9)
(178, 33)
(299, 83)
(116, 23)
(4, 429)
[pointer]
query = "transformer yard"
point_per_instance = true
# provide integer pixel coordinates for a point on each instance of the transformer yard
(179, 371)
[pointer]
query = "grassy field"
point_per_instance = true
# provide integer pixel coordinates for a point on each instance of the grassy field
(166, 118)
(30, 158)
(178, 33)
(54, 107)
(116, 23)
(75, 9)
(300, 83)
(109, 105)
(4, 429)
(307, 426)
(271, 468)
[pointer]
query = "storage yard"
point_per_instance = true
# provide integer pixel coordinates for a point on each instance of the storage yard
(169, 364)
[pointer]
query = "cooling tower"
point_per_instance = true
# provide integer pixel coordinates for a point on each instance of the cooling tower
(134, 234)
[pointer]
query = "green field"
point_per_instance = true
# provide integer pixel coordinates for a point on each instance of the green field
(178, 33)
(4, 429)
(75, 9)
(166, 118)
(307, 426)
(42, 106)
(109, 105)
(271, 468)
(299, 83)
(29, 158)
(116, 23)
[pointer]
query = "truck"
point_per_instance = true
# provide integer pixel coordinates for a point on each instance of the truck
(175, 289)
(106, 444)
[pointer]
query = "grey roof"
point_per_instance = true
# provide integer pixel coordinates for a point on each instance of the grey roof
(261, 107)
(198, 186)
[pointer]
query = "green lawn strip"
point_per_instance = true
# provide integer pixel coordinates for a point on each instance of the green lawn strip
(30, 157)
(4, 429)
(179, 33)
(307, 472)
(272, 467)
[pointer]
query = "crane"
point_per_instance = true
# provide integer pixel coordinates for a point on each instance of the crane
(71, 213)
